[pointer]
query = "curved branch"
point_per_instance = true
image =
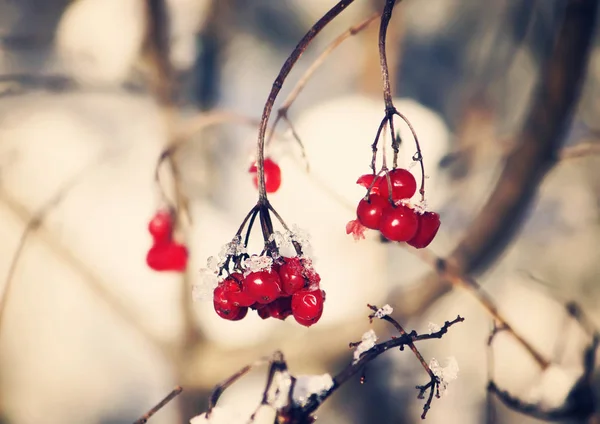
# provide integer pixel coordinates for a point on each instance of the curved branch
(540, 140)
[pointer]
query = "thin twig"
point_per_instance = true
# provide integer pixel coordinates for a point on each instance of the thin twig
(283, 73)
(174, 393)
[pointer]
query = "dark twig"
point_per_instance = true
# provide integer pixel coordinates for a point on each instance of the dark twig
(174, 393)
(357, 367)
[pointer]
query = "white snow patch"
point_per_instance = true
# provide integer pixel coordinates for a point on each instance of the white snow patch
(432, 327)
(257, 263)
(219, 415)
(446, 374)
(308, 385)
(383, 311)
(553, 386)
(367, 341)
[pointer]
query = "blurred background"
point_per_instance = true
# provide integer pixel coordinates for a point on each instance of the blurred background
(90, 95)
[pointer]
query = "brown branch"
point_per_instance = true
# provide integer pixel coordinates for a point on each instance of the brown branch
(308, 74)
(553, 104)
(283, 73)
(91, 280)
(174, 393)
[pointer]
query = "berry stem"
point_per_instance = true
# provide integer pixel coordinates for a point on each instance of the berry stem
(278, 83)
(385, 71)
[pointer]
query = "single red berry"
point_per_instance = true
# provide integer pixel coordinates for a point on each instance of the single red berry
(235, 286)
(161, 226)
(398, 223)
(223, 306)
(280, 308)
(263, 286)
(429, 224)
(272, 175)
(366, 181)
(307, 306)
(291, 274)
(369, 211)
(167, 257)
(264, 313)
(403, 183)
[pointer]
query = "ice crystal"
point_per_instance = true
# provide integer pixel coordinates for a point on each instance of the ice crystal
(308, 385)
(203, 289)
(433, 327)
(367, 341)
(383, 311)
(445, 374)
(256, 263)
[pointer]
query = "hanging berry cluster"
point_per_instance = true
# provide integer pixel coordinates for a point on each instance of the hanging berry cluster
(386, 206)
(273, 284)
(165, 254)
(390, 211)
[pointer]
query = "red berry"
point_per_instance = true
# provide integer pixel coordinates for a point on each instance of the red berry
(369, 211)
(161, 226)
(235, 290)
(280, 308)
(429, 224)
(224, 307)
(167, 257)
(291, 275)
(403, 183)
(366, 181)
(272, 175)
(263, 286)
(398, 223)
(307, 306)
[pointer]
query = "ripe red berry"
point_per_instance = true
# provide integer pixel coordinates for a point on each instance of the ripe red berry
(280, 308)
(291, 275)
(235, 290)
(272, 175)
(161, 226)
(398, 223)
(167, 257)
(403, 183)
(224, 307)
(307, 306)
(369, 211)
(429, 224)
(366, 181)
(263, 286)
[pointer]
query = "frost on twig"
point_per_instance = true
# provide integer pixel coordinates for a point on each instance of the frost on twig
(367, 342)
(309, 385)
(445, 374)
(432, 327)
(384, 311)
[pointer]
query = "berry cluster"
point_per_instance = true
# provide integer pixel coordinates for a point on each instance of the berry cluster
(274, 288)
(272, 175)
(165, 253)
(386, 208)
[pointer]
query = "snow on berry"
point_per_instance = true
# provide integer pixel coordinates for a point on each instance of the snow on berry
(445, 374)
(367, 342)
(256, 263)
(308, 385)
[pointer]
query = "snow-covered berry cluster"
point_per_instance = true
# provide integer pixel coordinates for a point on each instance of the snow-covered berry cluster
(278, 282)
(386, 207)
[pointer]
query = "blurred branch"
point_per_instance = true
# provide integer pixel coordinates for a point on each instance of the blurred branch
(580, 150)
(174, 393)
(539, 144)
(88, 276)
(34, 223)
